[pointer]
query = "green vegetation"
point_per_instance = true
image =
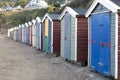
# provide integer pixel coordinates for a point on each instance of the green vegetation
(50, 2)
(79, 3)
(20, 17)
(22, 3)
(11, 19)
(54, 7)
(13, 3)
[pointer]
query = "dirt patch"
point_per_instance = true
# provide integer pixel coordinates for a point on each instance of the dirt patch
(21, 62)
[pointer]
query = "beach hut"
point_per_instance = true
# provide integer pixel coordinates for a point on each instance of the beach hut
(33, 32)
(25, 33)
(29, 33)
(10, 33)
(104, 37)
(41, 45)
(17, 33)
(51, 33)
(9, 30)
(22, 32)
(74, 35)
(38, 33)
(14, 33)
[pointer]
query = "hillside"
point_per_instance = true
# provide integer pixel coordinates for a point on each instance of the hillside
(20, 2)
(12, 19)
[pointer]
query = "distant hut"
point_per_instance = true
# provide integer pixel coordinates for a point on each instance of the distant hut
(51, 33)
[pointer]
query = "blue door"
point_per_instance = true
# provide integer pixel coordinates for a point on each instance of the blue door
(25, 35)
(67, 53)
(100, 43)
(37, 35)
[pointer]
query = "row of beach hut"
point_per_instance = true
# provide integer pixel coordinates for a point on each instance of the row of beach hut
(85, 36)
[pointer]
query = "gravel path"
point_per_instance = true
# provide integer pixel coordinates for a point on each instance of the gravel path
(21, 62)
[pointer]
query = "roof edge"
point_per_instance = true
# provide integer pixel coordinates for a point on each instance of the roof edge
(107, 3)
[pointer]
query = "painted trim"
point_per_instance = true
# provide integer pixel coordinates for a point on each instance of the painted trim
(89, 42)
(38, 19)
(9, 31)
(76, 28)
(100, 12)
(19, 26)
(29, 23)
(26, 24)
(40, 35)
(52, 37)
(46, 16)
(116, 47)
(72, 12)
(107, 3)
(22, 25)
(33, 21)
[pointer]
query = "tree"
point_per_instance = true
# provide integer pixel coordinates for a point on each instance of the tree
(5, 3)
(57, 4)
(1, 4)
(12, 3)
(53, 1)
(21, 3)
(51, 9)
(89, 3)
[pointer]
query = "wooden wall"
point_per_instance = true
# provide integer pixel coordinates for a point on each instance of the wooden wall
(56, 37)
(82, 38)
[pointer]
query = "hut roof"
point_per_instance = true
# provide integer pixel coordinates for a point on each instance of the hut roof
(81, 11)
(51, 17)
(112, 5)
(117, 2)
(73, 12)
(54, 16)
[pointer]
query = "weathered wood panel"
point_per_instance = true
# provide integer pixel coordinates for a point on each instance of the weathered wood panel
(82, 38)
(56, 37)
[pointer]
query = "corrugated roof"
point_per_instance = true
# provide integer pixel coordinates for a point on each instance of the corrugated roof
(117, 2)
(54, 16)
(81, 11)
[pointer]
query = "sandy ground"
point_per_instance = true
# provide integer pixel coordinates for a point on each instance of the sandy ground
(22, 62)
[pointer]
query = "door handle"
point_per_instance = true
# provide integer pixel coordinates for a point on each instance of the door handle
(65, 38)
(100, 25)
(101, 44)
